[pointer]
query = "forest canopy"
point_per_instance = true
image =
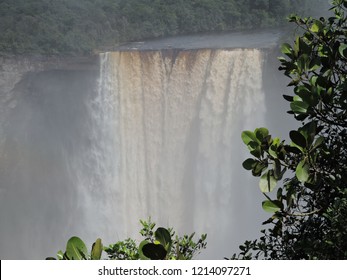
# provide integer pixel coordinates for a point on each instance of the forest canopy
(81, 26)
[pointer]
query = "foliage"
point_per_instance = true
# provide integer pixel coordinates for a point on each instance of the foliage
(159, 244)
(309, 208)
(77, 250)
(123, 250)
(80, 26)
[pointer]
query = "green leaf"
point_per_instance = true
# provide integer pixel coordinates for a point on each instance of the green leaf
(258, 168)
(303, 62)
(297, 138)
(309, 132)
(60, 255)
(299, 107)
(287, 50)
(261, 133)
(320, 140)
(316, 27)
(256, 153)
(248, 136)
(163, 236)
(302, 171)
(154, 251)
(96, 250)
(277, 170)
(141, 254)
(315, 64)
(76, 249)
(267, 182)
(288, 97)
(273, 151)
(272, 206)
(249, 163)
(343, 50)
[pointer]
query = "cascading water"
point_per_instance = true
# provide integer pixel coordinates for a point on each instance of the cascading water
(175, 119)
(156, 135)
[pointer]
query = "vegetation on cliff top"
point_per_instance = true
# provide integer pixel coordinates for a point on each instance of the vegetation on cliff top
(80, 26)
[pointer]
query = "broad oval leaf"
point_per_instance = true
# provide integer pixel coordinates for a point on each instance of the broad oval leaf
(299, 107)
(272, 206)
(267, 182)
(163, 236)
(261, 133)
(248, 136)
(141, 254)
(249, 163)
(76, 249)
(297, 138)
(302, 171)
(154, 251)
(96, 250)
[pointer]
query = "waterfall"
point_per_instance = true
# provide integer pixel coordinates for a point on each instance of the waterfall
(91, 151)
(166, 142)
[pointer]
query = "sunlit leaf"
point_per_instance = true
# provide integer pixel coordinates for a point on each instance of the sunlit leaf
(272, 206)
(96, 250)
(248, 136)
(76, 249)
(287, 50)
(299, 107)
(302, 171)
(267, 182)
(316, 27)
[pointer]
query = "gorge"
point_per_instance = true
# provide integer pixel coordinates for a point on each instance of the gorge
(89, 148)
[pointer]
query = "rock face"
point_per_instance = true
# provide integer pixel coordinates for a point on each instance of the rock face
(16, 68)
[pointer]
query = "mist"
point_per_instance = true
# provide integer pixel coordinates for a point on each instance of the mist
(152, 129)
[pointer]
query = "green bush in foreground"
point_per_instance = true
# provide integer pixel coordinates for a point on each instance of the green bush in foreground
(161, 244)
(309, 208)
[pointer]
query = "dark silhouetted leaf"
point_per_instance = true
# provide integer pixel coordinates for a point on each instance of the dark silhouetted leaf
(249, 163)
(297, 138)
(163, 236)
(154, 251)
